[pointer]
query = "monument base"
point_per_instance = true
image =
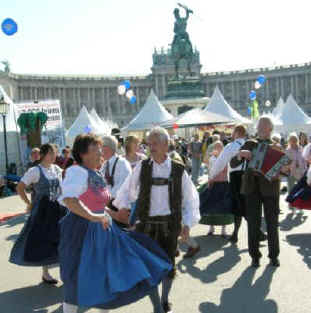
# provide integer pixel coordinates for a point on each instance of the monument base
(190, 87)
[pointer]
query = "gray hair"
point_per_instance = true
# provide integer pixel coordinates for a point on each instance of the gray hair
(111, 142)
(161, 133)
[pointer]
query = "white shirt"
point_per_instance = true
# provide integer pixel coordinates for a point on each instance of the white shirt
(309, 176)
(74, 184)
(306, 153)
(229, 151)
(32, 176)
(122, 171)
(159, 202)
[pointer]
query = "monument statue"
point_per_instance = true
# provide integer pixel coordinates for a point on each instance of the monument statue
(181, 45)
(6, 66)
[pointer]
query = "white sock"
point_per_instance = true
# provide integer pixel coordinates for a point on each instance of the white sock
(45, 272)
(69, 308)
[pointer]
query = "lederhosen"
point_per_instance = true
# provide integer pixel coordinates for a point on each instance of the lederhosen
(163, 229)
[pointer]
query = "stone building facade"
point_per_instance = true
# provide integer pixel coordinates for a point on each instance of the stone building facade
(100, 92)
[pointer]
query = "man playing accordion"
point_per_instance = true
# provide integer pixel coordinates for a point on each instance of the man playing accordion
(260, 185)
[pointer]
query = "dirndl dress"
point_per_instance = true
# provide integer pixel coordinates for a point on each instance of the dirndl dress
(37, 244)
(300, 196)
(216, 202)
(105, 268)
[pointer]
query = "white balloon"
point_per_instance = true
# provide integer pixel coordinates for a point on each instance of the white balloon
(257, 85)
(121, 90)
(129, 94)
(268, 103)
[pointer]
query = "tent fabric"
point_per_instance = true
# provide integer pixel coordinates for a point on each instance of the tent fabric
(196, 117)
(83, 123)
(219, 105)
(278, 107)
(11, 125)
(105, 125)
(152, 114)
(293, 118)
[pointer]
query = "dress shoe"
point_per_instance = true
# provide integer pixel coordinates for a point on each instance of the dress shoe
(275, 262)
(255, 263)
(192, 252)
(49, 281)
(167, 307)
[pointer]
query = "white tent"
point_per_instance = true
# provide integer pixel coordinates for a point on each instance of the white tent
(196, 117)
(152, 114)
(278, 107)
(84, 123)
(12, 135)
(219, 105)
(293, 118)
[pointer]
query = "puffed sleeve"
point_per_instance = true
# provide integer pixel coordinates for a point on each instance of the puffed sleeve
(306, 152)
(190, 202)
(309, 176)
(32, 176)
(74, 184)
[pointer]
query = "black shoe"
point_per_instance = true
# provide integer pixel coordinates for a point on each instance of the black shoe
(233, 238)
(167, 307)
(275, 262)
(263, 236)
(50, 281)
(255, 263)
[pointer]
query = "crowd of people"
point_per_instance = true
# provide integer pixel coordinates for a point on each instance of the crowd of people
(102, 205)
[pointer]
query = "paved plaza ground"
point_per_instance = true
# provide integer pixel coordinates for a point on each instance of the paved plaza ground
(217, 280)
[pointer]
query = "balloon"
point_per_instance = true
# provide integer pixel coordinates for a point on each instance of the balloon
(129, 94)
(252, 95)
(127, 84)
(261, 79)
(9, 26)
(268, 103)
(133, 100)
(121, 90)
(257, 84)
(249, 111)
(87, 129)
(175, 126)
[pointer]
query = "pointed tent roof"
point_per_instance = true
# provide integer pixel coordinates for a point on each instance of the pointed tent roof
(79, 126)
(292, 115)
(152, 114)
(104, 125)
(219, 105)
(278, 107)
(11, 125)
(196, 117)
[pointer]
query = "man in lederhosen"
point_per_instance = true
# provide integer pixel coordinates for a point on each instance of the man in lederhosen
(167, 202)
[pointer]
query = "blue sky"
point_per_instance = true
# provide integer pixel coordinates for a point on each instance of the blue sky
(118, 37)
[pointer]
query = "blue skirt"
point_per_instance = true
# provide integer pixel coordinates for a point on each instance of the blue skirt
(37, 243)
(216, 204)
(107, 268)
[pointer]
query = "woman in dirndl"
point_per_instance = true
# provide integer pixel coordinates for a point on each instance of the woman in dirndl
(216, 198)
(101, 265)
(37, 244)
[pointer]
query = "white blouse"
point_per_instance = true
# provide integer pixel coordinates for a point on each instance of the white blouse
(75, 183)
(32, 176)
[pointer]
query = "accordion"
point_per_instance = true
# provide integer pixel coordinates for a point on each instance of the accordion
(268, 161)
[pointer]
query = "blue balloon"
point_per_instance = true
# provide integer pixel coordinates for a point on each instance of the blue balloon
(127, 84)
(252, 95)
(261, 79)
(133, 100)
(249, 111)
(9, 26)
(87, 129)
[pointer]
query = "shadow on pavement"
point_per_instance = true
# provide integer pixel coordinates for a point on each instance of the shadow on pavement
(15, 221)
(210, 245)
(31, 299)
(302, 241)
(292, 221)
(244, 296)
